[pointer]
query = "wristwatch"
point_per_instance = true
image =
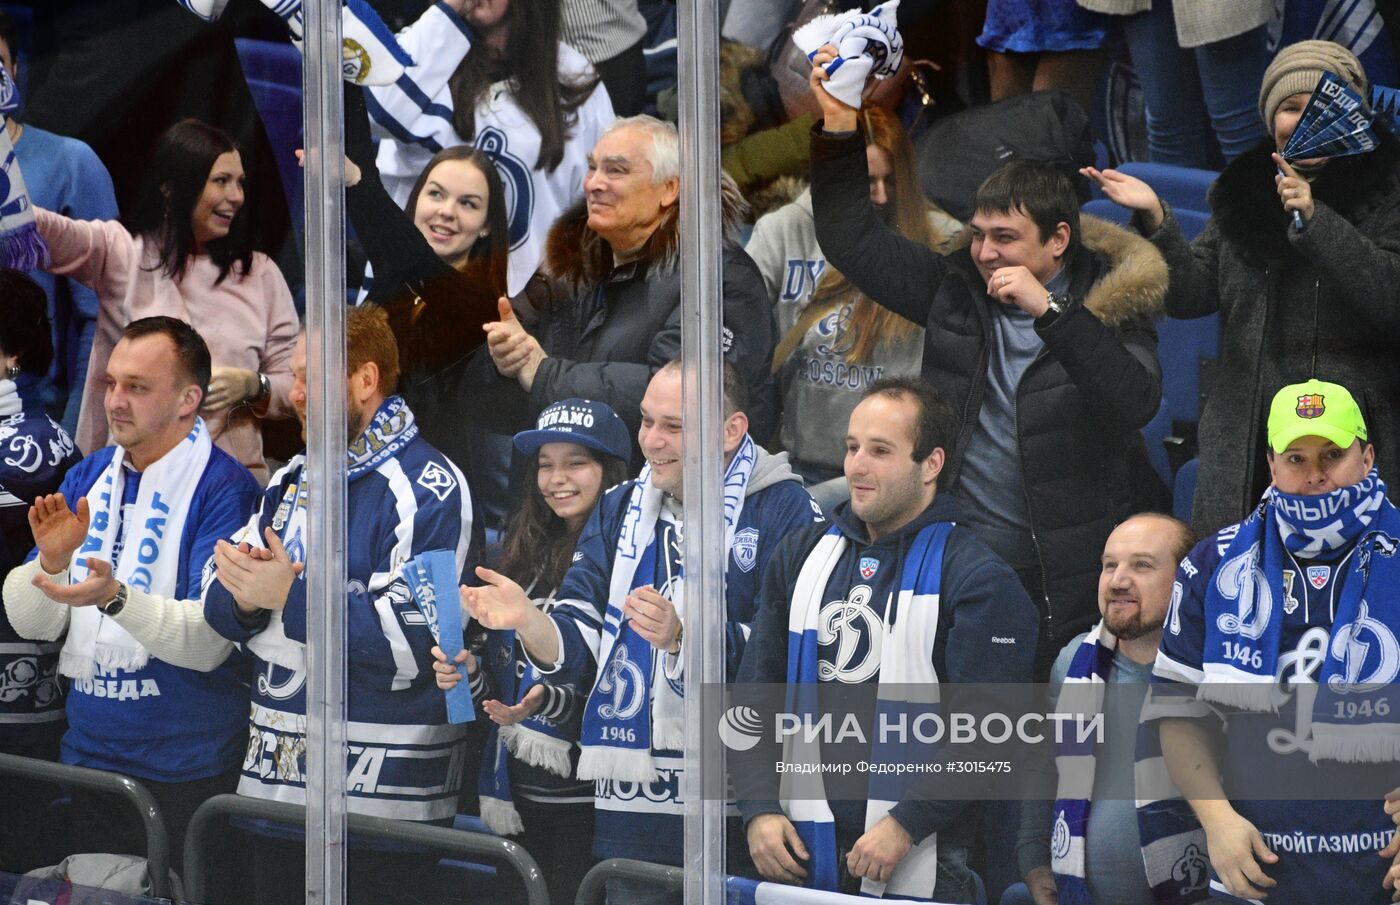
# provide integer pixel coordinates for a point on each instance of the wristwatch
(1055, 303)
(115, 605)
(264, 388)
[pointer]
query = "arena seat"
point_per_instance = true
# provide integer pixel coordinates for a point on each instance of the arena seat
(1182, 347)
(1184, 490)
(1154, 435)
(273, 72)
(1183, 187)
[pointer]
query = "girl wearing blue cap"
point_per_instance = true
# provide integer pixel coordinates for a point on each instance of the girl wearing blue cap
(578, 449)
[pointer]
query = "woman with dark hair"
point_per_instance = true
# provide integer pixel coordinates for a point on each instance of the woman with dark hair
(578, 449)
(35, 453)
(183, 252)
(493, 74)
(439, 267)
(835, 341)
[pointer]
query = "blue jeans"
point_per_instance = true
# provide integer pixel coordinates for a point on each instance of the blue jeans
(1180, 85)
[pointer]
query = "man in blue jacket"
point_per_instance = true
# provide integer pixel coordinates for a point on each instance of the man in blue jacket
(117, 564)
(835, 592)
(620, 607)
(404, 759)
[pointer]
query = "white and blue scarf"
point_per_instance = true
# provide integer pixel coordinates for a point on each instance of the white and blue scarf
(536, 740)
(906, 664)
(1173, 843)
(1244, 617)
(391, 429)
(370, 54)
(616, 740)
(147, 557)
(21, 246)
(866, 44)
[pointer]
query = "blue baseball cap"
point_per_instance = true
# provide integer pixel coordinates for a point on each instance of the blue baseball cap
(582, 421)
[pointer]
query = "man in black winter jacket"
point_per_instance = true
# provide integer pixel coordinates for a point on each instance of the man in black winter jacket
(982, 630)
(1039, 332)
(615, 317)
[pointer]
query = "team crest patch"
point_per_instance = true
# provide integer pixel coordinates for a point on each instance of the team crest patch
(1318, 576)
(1310, 406)
(869, 565)
(438, 480)
(746, 549)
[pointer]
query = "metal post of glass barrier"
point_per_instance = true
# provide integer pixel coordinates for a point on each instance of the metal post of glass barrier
(704, 553)
(325, 454)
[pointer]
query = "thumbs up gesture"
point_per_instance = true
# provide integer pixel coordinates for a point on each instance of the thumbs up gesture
(514, 352)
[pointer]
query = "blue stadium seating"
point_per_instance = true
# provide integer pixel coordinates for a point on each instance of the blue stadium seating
(1184, 490)
(273, 72)
(1154, 435)
(1181, 347)
(1182, 187)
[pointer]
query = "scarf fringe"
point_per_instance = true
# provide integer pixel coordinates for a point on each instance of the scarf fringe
(537, 749)
(76, 666)
(24, 248)
(501, 817)
(620, 764)
(669, 734)
(1381, 746)
(1256, 697)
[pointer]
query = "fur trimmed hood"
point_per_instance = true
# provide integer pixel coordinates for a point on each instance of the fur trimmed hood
(1135, 285)
(1246, 206)
(576, 255)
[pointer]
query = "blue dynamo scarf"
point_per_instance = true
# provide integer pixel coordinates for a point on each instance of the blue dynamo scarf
(535, 740)
(1356, 712)
(906, 670)
(21, 246)
(1173, 843)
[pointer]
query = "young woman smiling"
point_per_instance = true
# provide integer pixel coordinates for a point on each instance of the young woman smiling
(439, 268)
(183, 252)
(578, 449)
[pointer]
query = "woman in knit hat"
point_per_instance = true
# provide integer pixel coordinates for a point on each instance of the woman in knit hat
(1322, 301)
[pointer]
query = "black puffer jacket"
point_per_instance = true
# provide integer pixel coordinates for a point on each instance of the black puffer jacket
(610, 328)
(1324, 302)
(1080, 404)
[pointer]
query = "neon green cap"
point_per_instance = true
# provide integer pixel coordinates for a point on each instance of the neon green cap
(1314, 409)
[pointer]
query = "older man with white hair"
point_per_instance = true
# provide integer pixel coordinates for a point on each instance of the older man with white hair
(617, 317)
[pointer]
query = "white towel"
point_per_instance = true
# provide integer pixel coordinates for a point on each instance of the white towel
(866, 44)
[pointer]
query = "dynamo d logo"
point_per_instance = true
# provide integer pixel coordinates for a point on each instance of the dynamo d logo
(1060, 837)
(740, 728)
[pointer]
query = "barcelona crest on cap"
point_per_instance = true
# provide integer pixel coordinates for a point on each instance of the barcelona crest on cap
(1310, 406)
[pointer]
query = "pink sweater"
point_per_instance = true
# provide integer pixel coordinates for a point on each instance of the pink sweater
(247, 321)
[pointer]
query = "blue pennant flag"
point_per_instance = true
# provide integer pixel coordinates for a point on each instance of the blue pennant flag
(1385, 104)
(1335, 123)
(432, 578)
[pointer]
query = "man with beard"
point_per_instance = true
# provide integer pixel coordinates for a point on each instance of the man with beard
(1135, 588)
(404, 760)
